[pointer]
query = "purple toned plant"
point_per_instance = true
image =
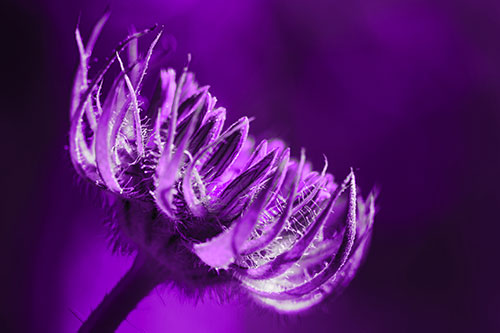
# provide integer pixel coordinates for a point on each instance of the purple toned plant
(201, 206)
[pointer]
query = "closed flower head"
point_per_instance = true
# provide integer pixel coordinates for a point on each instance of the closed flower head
(200, 197)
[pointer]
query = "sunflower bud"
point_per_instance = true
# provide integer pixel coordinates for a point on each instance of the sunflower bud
(201, 199)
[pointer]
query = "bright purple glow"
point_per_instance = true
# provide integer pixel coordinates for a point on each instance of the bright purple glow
(96, 270)
(206, 202)
(407, 92)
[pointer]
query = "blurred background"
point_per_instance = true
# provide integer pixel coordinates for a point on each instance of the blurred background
(407, 92)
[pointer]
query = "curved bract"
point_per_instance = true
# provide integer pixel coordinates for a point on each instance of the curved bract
(184, 183)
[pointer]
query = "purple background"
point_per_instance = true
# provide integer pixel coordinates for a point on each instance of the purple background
(408, 93)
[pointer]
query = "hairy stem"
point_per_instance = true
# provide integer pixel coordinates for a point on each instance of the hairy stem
(144, 275)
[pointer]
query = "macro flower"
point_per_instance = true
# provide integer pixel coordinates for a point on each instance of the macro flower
(206, 204)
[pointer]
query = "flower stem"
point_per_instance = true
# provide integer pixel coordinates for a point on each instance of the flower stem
(144, 275)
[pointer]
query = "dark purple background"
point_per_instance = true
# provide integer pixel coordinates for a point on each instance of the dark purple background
(408, 93)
